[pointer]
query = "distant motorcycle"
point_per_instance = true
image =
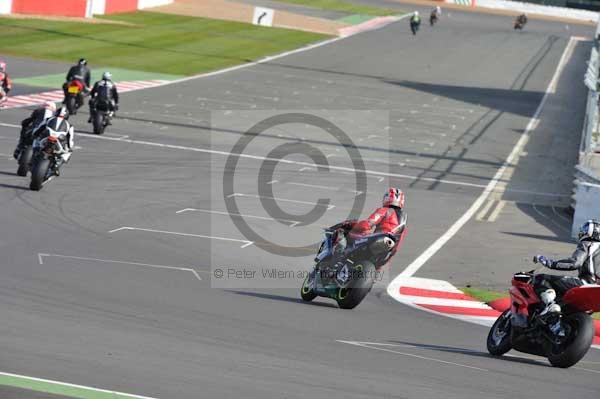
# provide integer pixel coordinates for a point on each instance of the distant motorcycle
(348, 280)
(414, 27)
(563, 338)
(46, 157)
(433, 18)
(3, 97)
(74, 96)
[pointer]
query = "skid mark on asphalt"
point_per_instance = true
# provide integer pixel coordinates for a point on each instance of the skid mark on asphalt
(383, 347)
(41, 257)
(245, 243)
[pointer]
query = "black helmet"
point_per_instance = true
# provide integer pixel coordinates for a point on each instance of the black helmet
(590, 230)
(82, 61)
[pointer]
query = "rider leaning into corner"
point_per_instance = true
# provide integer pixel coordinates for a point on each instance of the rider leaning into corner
(81, 72)
(522, 19)
(584, 259)
(5, 82)
(389, 218)
(29, 125)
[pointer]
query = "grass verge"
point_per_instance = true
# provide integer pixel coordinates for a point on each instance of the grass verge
(160, 43)
(343, 6)
(488, 296)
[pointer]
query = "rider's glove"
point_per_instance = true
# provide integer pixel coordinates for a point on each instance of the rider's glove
(541, 259)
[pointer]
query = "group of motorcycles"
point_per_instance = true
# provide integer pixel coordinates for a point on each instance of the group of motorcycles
(43, 153)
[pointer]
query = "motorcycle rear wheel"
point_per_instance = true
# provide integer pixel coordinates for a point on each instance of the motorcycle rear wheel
(98, 123)
(351, 297)
(499, 337)
(25, 161)
(583, 327)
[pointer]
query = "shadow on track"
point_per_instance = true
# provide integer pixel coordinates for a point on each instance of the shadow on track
(471, 352)
(282, 298)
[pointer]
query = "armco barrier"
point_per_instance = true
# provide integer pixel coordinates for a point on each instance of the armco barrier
(586, 185)
(517, 6)
(76, 8)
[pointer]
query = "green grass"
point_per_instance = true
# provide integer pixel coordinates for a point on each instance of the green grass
(160, 43)
(484, 295)
(342, 6)
(488, 296)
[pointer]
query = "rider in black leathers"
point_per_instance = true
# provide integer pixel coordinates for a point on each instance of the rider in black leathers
(584, 259)
(80, 72)
(29, 125)
(104, 91)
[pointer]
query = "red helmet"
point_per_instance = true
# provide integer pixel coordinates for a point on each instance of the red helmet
(394, 197)
(2, 66)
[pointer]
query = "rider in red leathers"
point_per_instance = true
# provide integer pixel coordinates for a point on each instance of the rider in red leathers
(390, 218)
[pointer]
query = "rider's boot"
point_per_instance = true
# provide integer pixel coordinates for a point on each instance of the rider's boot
(548, 298)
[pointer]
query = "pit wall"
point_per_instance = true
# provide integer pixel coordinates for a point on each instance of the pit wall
(530, 8)
(76, 8)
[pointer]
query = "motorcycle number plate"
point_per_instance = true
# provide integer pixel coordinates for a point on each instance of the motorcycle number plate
(74, 90)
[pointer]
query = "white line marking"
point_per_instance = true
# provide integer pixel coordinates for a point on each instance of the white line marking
(187, 269)
(127, 228)
(307, 165)
(82, 387)
(356, 343)
(560, 216)
(560, 226)
(591, 371)
(292, 222)
(440, 242)
(497, 211)
(329, 207)
(323, 187)
(484, 211)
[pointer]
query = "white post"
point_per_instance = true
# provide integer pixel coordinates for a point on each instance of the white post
(5, 6)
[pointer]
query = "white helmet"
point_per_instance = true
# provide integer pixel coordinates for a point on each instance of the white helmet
(416, 14)
(50, 106)
(107, 76)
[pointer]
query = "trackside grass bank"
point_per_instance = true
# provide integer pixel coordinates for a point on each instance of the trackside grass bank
(489, 296)
(150, 42)
(343, 6)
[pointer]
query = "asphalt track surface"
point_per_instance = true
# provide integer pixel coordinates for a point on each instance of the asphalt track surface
(458, 99)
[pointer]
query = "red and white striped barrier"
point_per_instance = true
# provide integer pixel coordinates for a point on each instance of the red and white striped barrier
(372, 24)
(442, 298)
(28, 100)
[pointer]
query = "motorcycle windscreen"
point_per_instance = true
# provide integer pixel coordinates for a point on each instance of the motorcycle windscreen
(585, 298)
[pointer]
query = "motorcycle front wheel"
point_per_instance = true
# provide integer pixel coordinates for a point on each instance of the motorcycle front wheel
(38, 173)
(499, 337)
(307, 292)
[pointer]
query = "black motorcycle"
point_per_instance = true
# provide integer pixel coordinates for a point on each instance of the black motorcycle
(348, 279)
(101, 116)
(414, 26)
(46, 158)
(433, 18)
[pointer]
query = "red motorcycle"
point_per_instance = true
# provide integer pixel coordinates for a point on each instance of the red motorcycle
(564, 338)
(74, 96)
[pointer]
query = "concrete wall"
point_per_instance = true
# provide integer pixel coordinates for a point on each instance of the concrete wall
(76, 8)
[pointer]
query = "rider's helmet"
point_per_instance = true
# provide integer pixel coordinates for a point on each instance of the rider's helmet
(416, 14)
(82, 62)
(50, 106)
(2, 66)
(393, 197)
(590, 230)
(438, 9)
(106, 76)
